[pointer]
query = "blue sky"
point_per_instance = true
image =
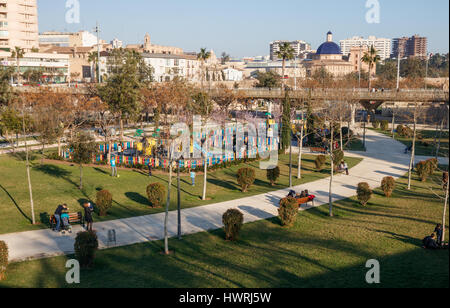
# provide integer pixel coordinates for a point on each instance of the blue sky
(245, 27)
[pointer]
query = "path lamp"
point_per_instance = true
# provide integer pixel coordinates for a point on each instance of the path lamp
(398, 70)
(364, 134)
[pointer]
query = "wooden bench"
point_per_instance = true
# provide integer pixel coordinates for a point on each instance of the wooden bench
(319, 150)
(73, 219)
(304, 200)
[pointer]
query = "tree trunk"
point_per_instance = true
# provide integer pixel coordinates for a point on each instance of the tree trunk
(440, 137)
(121, 128)
(290, 161)
(300, 152)
(30, 189)
(340, 133)
(330, 192)
(353, 115)
(393, 124)
(413, 152)
(284, 69)
(59, 146)
(166, 218)
(205, 170)
(445, 212)
(81, 176)
(179, 201)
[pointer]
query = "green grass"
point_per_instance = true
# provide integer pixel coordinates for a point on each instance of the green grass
(355, 144)
(425, 146)
(57, 184)
(318, 251)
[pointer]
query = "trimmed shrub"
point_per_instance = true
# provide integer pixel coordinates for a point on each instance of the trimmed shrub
(273, 175)
(320, 161)
(246, 178)
(404, 131)
(156, 194)
(232, 221)
(426, 168)
(288, 211)
(3, 259)
(364, 193)
(103, 202)
(338, 157)
(384, 125)
(376, 124)
(388, 186)
(86, 245)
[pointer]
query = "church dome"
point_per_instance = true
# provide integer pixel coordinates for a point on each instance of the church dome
(329, 48)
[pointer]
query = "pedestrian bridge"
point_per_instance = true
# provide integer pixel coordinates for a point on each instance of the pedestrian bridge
(419, 96)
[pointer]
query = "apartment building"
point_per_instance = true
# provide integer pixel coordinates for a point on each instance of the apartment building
(382, 45)
(53, 67)
(300, 48)
(68, 39)
(415, 46)
(18, 24)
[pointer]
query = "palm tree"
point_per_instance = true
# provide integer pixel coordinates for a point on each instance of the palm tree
(18, 53)
(286, 52)
(203, 56)
(371, 58)
(93, 58)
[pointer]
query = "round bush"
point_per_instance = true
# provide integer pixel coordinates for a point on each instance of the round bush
(232, 221)
(156, 193)
(273, 175)
(376, 124)
(3, 259)
(364, 193)
(385, 125)
(388, 186)
(288, 211)
(103, 202)
(86, 245)
(404, 131)
(320, 161)
(338, 157)
(424, 169)
(245, 178)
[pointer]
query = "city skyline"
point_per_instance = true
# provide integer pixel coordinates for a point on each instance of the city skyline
(241, 29)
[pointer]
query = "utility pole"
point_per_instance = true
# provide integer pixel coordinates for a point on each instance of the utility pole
(97, 30)
(398, 71)
(426, 71)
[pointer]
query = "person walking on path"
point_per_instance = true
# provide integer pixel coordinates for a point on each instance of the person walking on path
(193, 177)
(113, 167)
(88, 209)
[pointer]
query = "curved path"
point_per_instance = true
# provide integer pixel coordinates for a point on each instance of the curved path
(384, 157)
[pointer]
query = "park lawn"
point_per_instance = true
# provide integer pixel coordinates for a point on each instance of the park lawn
(318, 251)
(55, 184)
(355, 144)
(426, 146)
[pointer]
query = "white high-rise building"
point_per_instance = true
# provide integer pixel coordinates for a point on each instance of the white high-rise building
(298, 46)
(382, 45)
(18, 24)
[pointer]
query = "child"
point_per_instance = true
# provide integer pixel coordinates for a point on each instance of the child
(193, 177)
(65, 219)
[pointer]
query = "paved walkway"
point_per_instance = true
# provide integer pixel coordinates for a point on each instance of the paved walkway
(384, 157)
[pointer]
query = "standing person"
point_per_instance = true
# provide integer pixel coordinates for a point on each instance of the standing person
(344, 164)
(192, 173)
(113, 167)
(438, 231)
(57, 216)
(88, 209)
(150, 169)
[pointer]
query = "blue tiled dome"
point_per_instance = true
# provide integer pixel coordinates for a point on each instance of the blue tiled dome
(329, 48)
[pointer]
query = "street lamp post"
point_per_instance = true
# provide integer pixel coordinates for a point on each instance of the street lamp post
(398, 72)
(426, 71)
(364, 134)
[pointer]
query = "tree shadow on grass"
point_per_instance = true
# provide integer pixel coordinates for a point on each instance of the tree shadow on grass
(224, 184)
(100, 170)
(56, 171)
(21, 156)
(44, 218)
(138, 198)
(15, 204)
